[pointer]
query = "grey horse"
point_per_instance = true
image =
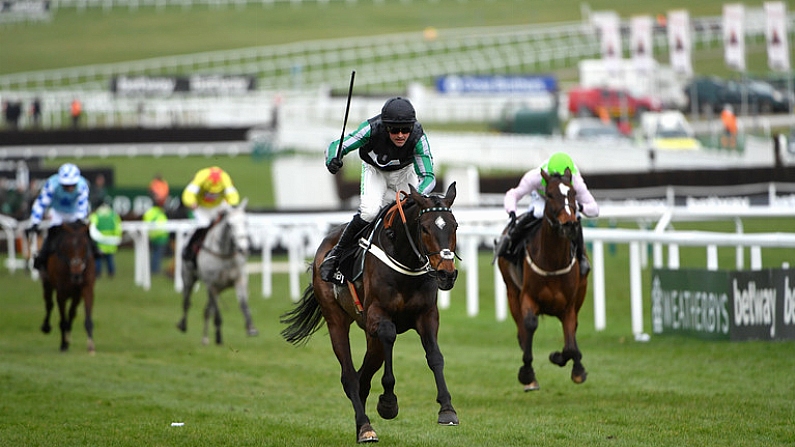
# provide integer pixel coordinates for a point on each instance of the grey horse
(220, 264)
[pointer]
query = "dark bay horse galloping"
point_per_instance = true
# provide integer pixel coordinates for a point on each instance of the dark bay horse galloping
(547, 280)
(409, 256)
(69, 272)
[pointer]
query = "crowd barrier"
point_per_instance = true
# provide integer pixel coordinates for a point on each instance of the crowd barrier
(301, 233)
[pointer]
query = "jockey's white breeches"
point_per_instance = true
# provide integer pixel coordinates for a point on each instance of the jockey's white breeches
(57, 218)
(379, 188)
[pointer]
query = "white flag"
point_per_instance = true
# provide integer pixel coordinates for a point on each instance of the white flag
(776, 34)
(734, 35)
(641, 47)
(679, 41)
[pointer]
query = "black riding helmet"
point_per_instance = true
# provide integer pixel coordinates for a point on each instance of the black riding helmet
(397, 111)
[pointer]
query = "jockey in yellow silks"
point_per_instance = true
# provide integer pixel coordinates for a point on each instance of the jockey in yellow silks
(210, 191)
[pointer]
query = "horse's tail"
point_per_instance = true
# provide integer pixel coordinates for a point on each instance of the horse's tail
(303, 320)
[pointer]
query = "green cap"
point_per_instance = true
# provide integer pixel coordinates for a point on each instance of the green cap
(558, 162)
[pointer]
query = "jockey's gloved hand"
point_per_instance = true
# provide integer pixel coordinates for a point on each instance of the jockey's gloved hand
(512, 215)
(334, 165)
(34, 228)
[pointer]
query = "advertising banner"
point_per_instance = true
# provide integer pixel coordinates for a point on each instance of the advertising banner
(776, 36)
(454, 84)
(694, 302)
(606, 24)
(734, 35)
(143, 86)
(642, 47)
(679, 43)
(726, 305)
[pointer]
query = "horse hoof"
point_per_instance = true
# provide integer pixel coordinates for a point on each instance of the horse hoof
(46, 328)
(205, 341)
(366, 434)
(579, 378)
(558, 359)
(533, 386)
(448, 417)
(182, 326)
(253, 332)
(387, 406)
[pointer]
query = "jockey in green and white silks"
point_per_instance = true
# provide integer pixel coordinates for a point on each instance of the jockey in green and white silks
(386, 167)
(532, 183)
(395, 153)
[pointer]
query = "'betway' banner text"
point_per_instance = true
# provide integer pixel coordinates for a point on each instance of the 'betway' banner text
(196, 85)
(735, 305)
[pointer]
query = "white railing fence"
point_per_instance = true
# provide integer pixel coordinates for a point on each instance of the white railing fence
(301, 233)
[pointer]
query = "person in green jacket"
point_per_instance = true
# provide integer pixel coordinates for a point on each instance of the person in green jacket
(105, 227)
(158, 239)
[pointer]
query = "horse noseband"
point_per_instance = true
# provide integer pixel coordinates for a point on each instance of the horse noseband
(447, 254)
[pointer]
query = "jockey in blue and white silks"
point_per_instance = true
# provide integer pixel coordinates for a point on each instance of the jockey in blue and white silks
(65, 205)
(65, 196)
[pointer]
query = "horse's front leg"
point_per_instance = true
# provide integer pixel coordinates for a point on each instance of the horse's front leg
(188, 281)
(65, 322)
(428, 328)
(211, 310)
(48, 305)
(570, 348)
(527, 375)
(387, 402)
(241, 289)
(88, 300)
(339, 332)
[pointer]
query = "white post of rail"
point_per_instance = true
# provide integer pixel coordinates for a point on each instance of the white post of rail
(471, 264)
(179, 242)
(146, 270)
(712, 257)
(673, 256)
(443, 298)
(500, 295)
(739, 255)
(636, 293)
(295, 259)
(756, 258)
(599, 313)
(267, 265)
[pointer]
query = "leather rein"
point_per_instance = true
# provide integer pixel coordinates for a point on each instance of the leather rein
(423, 258)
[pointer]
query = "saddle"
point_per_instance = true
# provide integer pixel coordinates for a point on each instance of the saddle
(517, 237)
(351, 265)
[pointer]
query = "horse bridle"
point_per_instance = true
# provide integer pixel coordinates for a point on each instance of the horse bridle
(555, 223)
(217, 254)
(445, 253)
(68, 260)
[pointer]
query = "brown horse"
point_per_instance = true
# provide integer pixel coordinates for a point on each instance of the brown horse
(407, 259)
(69, 272)
(547, 280)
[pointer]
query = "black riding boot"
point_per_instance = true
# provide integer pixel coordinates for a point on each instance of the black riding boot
(194, 244)
(585, 266)
(331, 262)
(40, 261)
